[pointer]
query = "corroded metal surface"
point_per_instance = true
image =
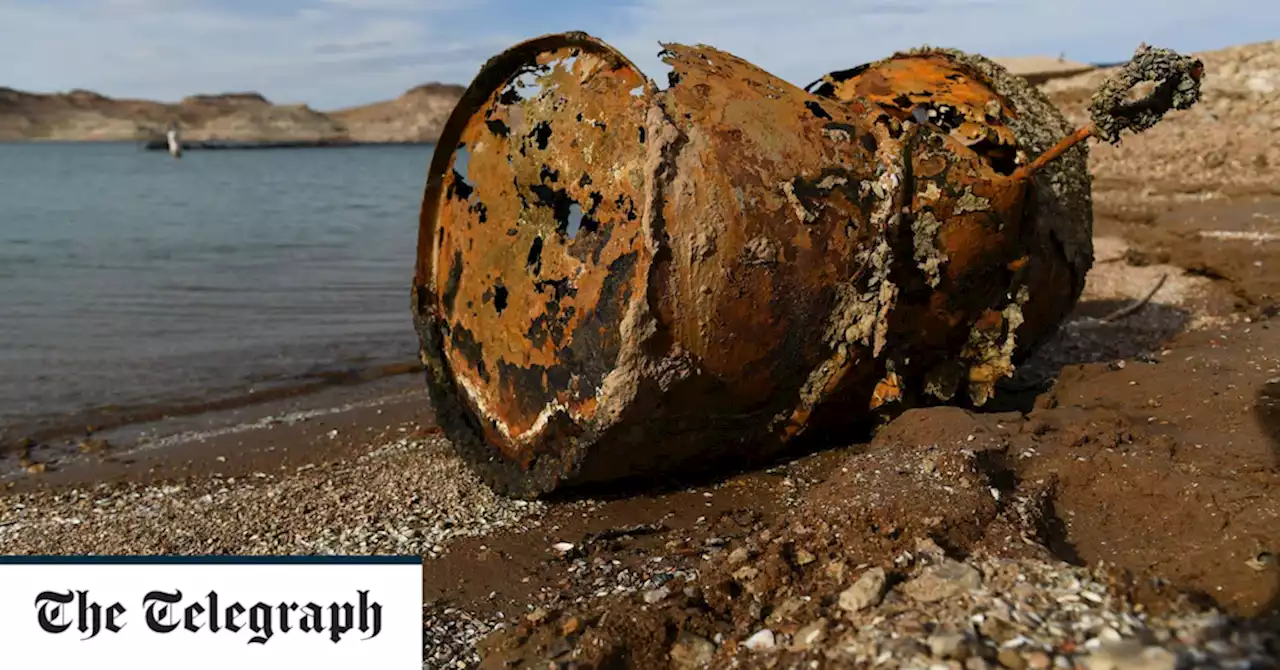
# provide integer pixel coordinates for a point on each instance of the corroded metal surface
(616, 280)
(1006, 123)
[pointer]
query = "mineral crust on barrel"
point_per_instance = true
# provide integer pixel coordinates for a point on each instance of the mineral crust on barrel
(615, 280)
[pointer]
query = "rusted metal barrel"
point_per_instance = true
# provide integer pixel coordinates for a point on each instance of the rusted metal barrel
(615, 280)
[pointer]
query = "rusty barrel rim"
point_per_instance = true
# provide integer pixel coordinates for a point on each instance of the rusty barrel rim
(544, 470)
(495, 72)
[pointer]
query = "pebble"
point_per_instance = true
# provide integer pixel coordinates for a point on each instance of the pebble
(739, 555)
(810, 635)
(1130, 655)
(785, 610)
(93, 446)
(1010, 658)
(762, 640)
(866, 592)
(656, 595)
(804, 557)
(692, 652)
(537, 615)
(1262, 562)
(1038, 660)
(940, 582)
(949, 645)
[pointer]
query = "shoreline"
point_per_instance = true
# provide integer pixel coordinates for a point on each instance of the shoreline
(66, 440)
(237, 145)
(222, 145)
(335, 424)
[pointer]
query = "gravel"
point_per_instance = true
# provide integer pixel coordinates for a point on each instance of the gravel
(1022, 614)
(411, 496)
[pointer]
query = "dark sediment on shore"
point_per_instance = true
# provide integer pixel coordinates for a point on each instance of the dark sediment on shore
(54, 438)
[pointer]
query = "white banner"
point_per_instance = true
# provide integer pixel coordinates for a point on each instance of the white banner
(211, 612)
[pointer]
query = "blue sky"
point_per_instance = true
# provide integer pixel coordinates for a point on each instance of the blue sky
(335, 53)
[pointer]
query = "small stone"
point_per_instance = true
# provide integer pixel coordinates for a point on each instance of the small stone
(573, 625)
(945, 580)
(866, 592)
(810, 635)
(656, 595)
(927, 548)
(691, 652)
(745, 574)
(536, 615)
(1261, 562)
(835, 570)
(804, 558)
(949, 646)
(762, 640)
(739, 555)
(1038, 660)
(905, 648)
(784, 611)
(1130, 655)
(562, 547)
(1010, 658)
(37, 468)
(92, 446)
(977, 663)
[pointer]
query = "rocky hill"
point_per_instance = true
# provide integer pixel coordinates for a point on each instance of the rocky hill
(416, 116)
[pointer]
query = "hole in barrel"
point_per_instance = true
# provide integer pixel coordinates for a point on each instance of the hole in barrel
(534, 261)
(499, 297)
(575, 221)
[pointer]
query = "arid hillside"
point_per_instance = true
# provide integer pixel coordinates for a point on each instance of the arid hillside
(416, 116)
(79, 115)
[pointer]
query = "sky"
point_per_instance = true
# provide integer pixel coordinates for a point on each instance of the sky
(338, 53)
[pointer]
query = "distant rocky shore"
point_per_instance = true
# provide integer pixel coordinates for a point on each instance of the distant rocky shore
(230, 120)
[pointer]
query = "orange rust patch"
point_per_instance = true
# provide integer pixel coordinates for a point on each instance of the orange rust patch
(538, 239)
(887, 390)
(935, 89)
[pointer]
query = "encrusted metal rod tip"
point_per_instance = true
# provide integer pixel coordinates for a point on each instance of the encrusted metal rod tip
(1174, 82)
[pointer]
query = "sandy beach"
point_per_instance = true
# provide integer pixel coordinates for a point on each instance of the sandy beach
(1117, 505)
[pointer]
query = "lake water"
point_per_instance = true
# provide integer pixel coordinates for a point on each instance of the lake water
(130, 280)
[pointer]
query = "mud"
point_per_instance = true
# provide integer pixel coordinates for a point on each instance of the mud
(1163, 471)
(1149, 452)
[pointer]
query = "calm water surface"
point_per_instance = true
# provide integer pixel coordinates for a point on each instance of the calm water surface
(128, 278)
